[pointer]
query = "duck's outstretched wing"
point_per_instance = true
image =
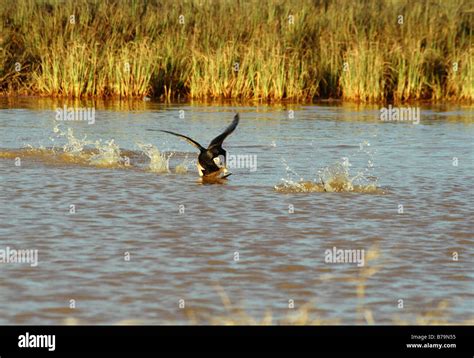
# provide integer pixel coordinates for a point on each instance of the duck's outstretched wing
(217, 141)
(189, 140)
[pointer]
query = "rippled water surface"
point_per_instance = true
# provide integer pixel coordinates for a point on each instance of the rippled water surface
(147, 237)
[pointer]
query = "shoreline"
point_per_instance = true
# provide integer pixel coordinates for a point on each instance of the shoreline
(230, 101)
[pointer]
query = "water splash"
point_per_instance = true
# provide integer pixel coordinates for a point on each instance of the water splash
(336, 177)
(98, 153)
(183, 167)
(108, 154)
(67, 148)
(73, 145)
(159, 162)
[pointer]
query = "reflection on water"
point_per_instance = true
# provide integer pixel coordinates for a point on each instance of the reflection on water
(123, 228)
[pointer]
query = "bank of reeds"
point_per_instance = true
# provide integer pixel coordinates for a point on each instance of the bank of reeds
(369, 51)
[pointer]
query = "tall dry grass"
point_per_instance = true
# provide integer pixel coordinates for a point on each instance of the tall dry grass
(255, 50)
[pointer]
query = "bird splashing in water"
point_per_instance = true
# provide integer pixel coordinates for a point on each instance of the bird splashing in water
(211, 160)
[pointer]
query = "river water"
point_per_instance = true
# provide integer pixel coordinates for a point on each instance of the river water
(125, 231)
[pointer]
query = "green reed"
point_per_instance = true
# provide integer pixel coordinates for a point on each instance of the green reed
(266, 50)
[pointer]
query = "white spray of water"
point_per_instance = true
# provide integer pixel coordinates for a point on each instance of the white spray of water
(97, 153)
(159, 162)
(335, 177)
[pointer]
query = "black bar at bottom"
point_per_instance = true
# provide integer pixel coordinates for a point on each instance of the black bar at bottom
(446, 341)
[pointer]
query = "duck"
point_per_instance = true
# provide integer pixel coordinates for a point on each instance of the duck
(212, 160)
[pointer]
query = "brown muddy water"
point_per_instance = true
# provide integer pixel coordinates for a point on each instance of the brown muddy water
(124, 229)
